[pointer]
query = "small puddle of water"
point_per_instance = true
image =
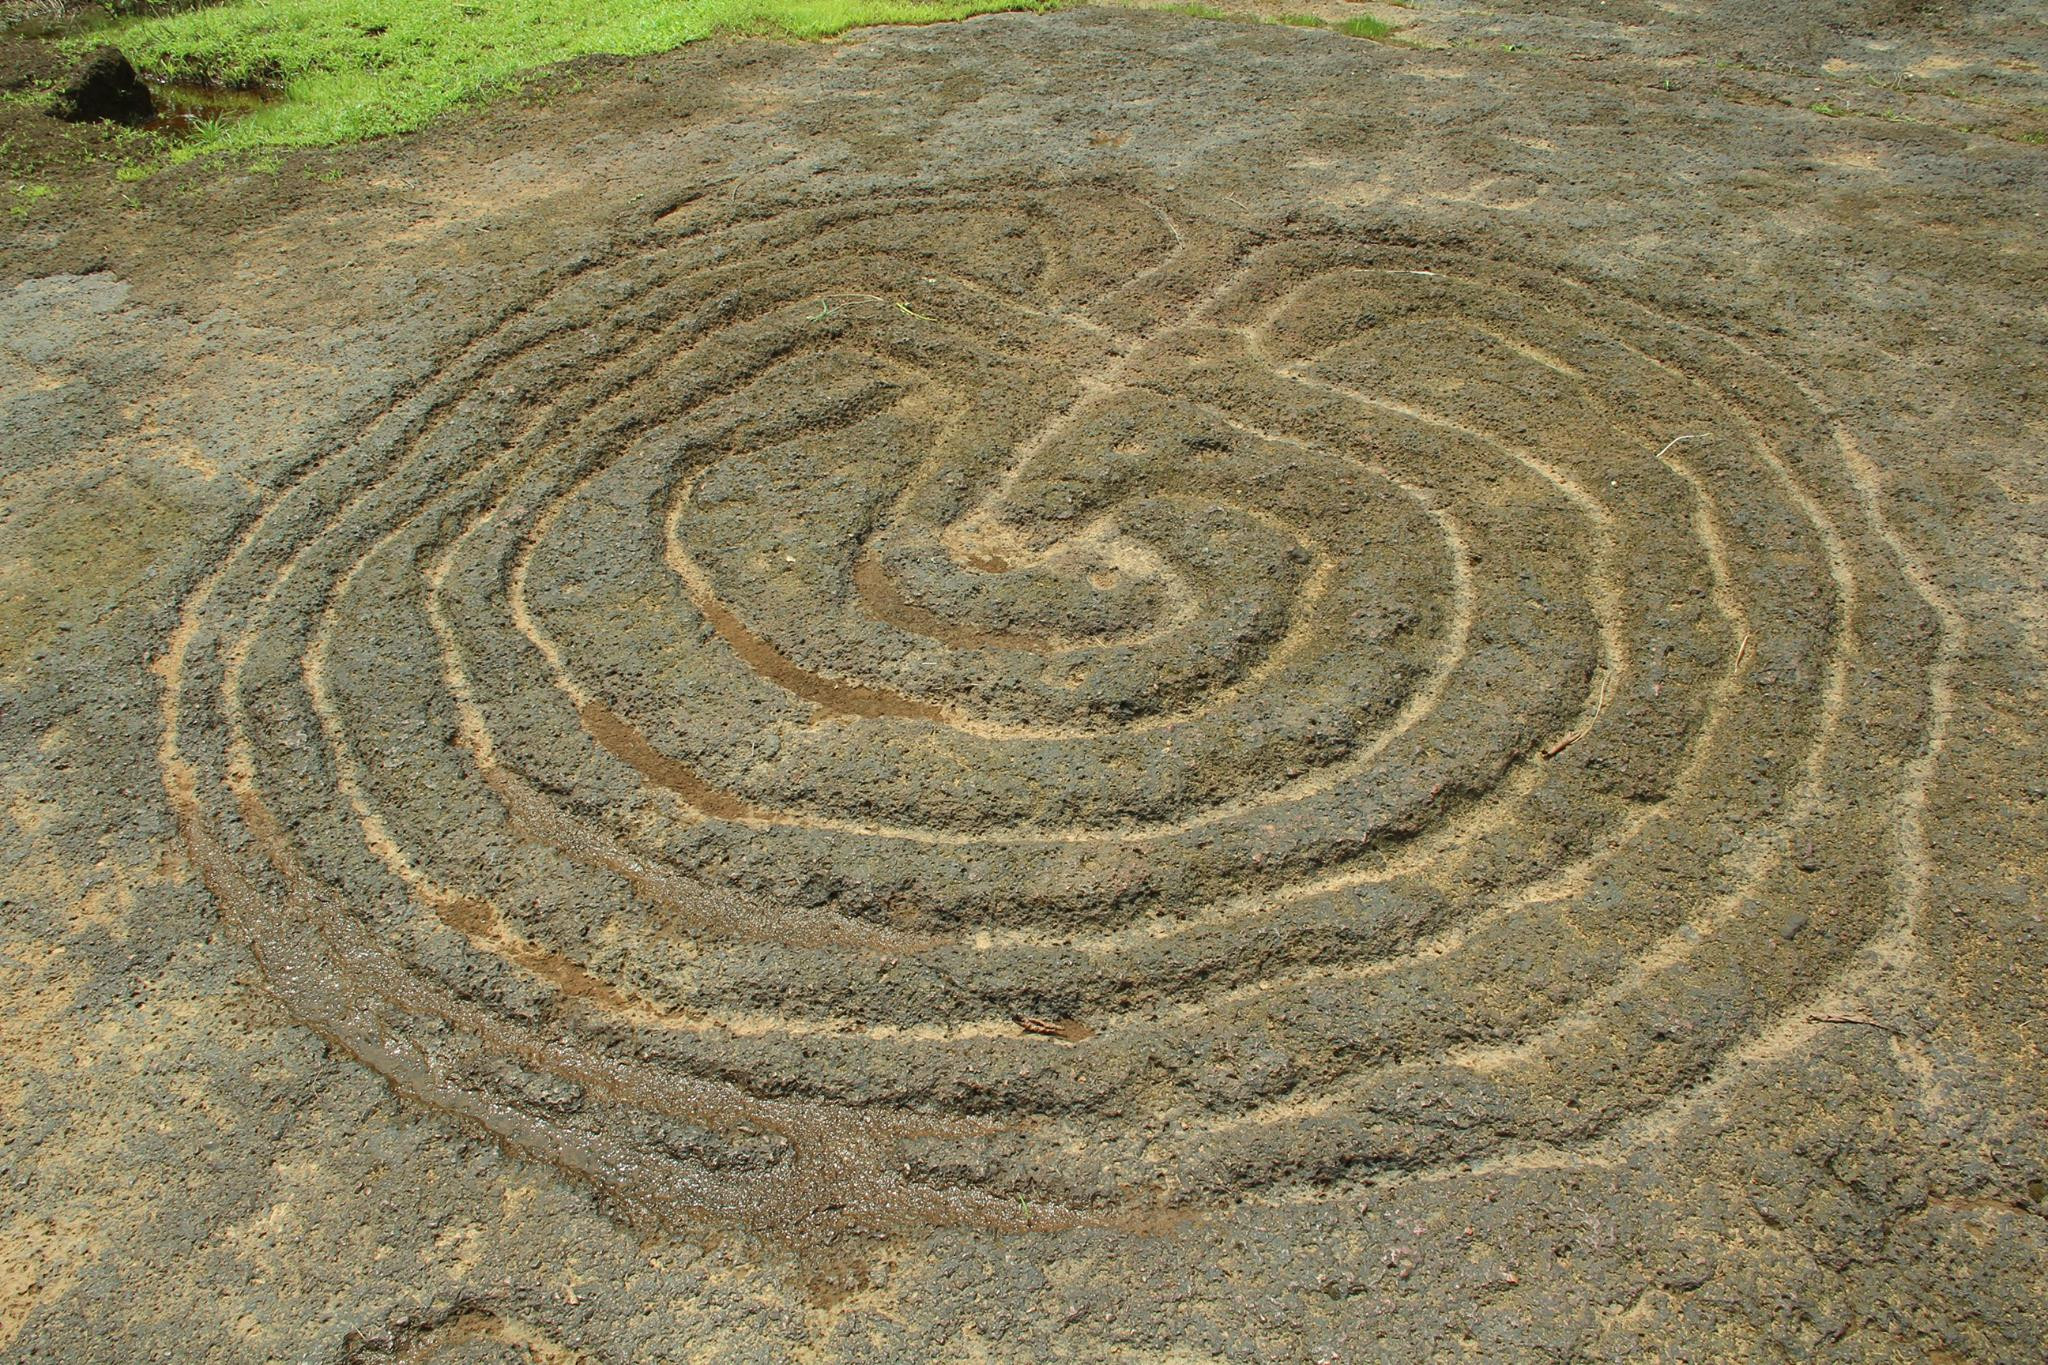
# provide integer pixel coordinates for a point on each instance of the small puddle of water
(184, 111)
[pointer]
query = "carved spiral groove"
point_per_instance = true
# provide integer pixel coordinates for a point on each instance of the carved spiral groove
(1373, 708)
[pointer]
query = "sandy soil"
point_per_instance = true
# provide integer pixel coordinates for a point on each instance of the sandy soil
(1086, 686)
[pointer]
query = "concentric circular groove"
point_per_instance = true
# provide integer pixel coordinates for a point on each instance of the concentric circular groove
(1373, 709)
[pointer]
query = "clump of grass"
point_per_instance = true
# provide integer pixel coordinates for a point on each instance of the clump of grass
(1299, 20)
(351, 69)
(1196, 11)
(1365, 26)
(27, 195)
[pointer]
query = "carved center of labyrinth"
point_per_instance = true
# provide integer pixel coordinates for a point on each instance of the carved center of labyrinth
(1310, 678)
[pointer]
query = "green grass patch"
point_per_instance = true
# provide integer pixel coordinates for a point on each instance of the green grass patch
(1299, 20)
(343, 70)
(1365, 26)
(1196, 11)
(26, 196)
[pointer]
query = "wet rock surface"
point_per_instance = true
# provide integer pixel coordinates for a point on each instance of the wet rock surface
(1072, 684)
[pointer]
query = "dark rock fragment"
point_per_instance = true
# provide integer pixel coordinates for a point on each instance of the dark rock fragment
(104, 89)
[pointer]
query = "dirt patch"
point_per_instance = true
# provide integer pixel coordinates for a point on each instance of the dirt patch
(1011, 714)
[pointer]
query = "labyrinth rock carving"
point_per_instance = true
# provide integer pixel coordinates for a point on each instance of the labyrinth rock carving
(1016, 709)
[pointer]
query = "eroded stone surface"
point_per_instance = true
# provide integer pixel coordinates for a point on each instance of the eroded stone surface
(1016, 713)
